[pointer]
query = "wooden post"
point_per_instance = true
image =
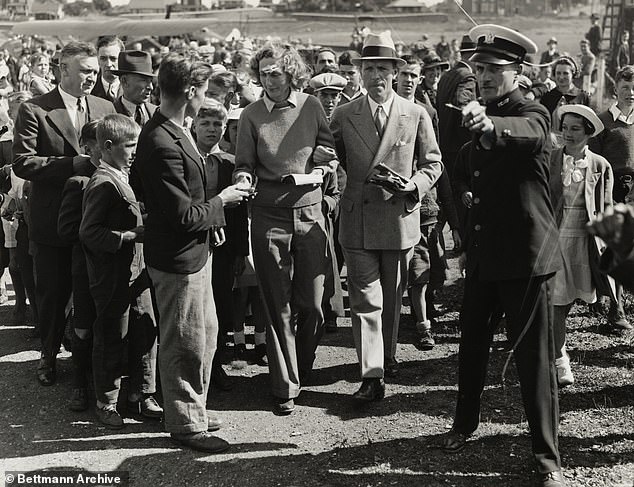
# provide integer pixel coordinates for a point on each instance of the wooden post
(600, 93)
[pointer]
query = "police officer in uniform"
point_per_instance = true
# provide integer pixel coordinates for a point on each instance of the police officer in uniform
(511, 245)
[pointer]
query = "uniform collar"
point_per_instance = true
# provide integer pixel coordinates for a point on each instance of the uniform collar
(617, 114)
(504, 100)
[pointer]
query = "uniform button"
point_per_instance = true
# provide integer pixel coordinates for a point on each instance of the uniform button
(506, 132)
(365, 202)
(476, 200)
(476, 173)
(477, 228)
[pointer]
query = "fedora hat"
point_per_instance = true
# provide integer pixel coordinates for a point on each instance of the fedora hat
(500, 45)
(433, 60)
(582, 111)
(378, 47)
(134, 62)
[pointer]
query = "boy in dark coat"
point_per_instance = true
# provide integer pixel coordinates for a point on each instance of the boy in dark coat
(111, 230)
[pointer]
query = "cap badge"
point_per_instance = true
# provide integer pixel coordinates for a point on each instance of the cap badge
(489, 38)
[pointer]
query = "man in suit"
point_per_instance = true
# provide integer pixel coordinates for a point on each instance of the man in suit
(135, 75)
(107, 84)
(46, 152)
(379, 227)
(511, 246)
(180, 216)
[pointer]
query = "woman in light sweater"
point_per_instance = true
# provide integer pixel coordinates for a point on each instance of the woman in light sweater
(286, 133)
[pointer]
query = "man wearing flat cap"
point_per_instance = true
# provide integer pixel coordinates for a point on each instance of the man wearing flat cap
(327, 87)
(136, 77)
(511, 247)
(381, 135)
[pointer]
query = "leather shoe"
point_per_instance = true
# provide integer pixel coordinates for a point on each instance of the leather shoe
(79, 399)
(220, 379)
(551, 479)
(259, 355)
(283, 407)
(203, 441)
(110, 417)
(454, 441)
(214, 423)
(370, 390)
(46, 374)
(616, 318)
(390, 367)
(147, 407)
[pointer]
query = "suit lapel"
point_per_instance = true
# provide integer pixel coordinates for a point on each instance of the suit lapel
(396, 123)
(121, 108)
(58, 116)
(186, 145)
(363, 123)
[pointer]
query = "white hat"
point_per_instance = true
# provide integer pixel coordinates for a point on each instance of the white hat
(500, 45)
(377, 47)
(581, 110)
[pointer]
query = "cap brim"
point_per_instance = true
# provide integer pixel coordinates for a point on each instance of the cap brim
(488, 58)
(436, 65)
(331, 88)
(116, 72)
(399, 62)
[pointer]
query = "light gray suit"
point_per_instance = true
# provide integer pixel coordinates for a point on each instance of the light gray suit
(377, 228)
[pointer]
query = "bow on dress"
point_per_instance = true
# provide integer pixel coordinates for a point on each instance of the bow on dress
(573, 170)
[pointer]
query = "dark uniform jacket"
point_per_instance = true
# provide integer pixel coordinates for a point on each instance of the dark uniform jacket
(511, 231)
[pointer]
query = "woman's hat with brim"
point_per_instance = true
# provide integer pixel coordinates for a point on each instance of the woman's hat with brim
(582, 111)
(134, 62)
(500, 45)
(378, 47)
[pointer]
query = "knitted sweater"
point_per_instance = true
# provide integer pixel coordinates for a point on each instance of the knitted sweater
(273, 144)
(615, 143)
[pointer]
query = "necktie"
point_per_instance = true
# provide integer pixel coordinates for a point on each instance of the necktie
(139, 116)
(80, 117)
(379, 120)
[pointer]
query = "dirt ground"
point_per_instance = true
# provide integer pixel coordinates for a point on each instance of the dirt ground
(328, 441)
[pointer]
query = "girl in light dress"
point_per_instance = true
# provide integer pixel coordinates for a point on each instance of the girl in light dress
(581, 186)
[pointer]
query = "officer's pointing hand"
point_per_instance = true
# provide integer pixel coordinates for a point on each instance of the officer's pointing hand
(475, 119)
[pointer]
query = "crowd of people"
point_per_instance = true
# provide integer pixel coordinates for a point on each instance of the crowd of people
(150, 199)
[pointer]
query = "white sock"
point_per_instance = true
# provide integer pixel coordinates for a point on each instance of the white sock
(260, 337)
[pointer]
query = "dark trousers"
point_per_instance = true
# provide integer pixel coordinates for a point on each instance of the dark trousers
(53, 286)
(222, 285)
(289, 250)
(125, 325)
(521, 300)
